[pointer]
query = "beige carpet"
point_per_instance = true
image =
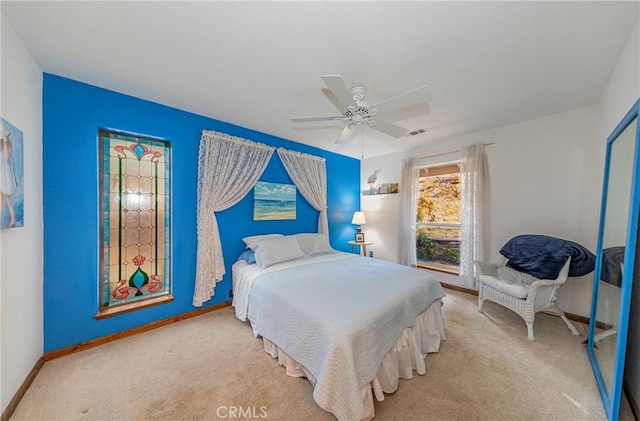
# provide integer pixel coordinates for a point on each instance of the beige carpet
(207, 367)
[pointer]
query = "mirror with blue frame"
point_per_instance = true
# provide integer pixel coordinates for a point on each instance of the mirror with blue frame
(615, 258)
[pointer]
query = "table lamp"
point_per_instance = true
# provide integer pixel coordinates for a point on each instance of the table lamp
(358, 218)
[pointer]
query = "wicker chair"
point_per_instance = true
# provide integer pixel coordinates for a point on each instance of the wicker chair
(521, 292)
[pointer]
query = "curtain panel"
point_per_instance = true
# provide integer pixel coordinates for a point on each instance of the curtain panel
(228, 168)
(408, 210)
(475, 190)
(309, 174)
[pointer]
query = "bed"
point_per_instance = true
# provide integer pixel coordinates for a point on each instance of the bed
(352, 325)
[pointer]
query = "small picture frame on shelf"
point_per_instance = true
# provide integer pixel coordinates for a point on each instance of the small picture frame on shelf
(359, 237)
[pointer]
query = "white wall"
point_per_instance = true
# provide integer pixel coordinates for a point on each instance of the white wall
(21, 288)
(624, 85)
(545, 177)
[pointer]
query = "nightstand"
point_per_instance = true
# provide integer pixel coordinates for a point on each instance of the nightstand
(363, 246)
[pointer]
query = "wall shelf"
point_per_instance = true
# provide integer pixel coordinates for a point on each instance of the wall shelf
(380, 189)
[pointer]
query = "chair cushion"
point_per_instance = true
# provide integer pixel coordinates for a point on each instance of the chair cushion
(506, 286)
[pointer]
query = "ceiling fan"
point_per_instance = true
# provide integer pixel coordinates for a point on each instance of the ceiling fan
(357, 111)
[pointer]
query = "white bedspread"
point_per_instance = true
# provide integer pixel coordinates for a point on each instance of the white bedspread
(338, 315)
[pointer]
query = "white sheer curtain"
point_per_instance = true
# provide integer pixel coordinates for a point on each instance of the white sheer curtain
(475, 214)
(228, 167)
(408, 210)
(309, 174)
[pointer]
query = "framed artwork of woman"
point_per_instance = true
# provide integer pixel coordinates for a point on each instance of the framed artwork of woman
(11, 176)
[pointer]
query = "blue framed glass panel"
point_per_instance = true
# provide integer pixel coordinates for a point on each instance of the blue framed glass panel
(615, 261)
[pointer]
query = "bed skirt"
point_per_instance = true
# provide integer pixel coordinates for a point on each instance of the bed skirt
(406, 356)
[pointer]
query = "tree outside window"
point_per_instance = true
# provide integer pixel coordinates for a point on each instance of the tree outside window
(438, 218)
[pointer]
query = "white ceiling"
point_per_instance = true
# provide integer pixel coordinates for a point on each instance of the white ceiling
(256, 64)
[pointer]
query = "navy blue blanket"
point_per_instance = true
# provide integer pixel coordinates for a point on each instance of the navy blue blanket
(612, 259)
(542, 256)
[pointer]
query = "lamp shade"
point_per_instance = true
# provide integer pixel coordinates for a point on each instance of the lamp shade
(358, 218)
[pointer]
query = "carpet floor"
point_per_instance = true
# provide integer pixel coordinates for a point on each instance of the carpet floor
(211, 367)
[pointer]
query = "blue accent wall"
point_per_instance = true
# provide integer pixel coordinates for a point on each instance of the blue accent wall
(72, 114)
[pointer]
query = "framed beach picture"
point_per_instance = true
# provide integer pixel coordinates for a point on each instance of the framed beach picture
(11, 176)
(273, 201)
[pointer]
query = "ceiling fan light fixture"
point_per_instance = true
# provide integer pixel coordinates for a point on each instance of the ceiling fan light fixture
(357, 118)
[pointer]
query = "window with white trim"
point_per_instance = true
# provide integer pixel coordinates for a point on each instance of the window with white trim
(438, 218)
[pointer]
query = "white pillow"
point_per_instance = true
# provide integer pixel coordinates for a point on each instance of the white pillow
(254, 238)
(276, 250)
(312, 244)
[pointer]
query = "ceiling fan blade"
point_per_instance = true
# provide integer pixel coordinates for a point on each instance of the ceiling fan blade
(347, 133)
(388, 128)
(321, 118)
(408, 99)
(340, 90)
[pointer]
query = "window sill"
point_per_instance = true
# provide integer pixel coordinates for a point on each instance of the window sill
(438, 268)
(137, 305)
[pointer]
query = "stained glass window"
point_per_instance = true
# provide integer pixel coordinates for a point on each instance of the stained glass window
(135, 189)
